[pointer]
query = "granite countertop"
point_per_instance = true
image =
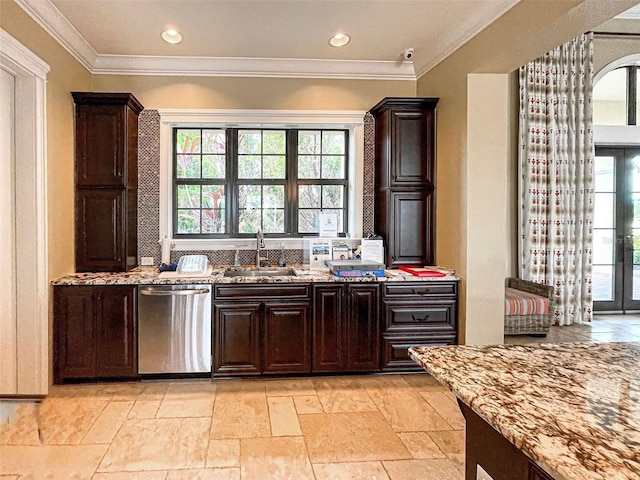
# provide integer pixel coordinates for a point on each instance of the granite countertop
(149, 276)
(574, 409)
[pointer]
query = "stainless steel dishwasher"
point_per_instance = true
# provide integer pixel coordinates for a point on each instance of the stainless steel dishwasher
(174, 329)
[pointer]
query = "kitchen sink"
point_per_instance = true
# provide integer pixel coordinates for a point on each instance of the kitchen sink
(266, 272)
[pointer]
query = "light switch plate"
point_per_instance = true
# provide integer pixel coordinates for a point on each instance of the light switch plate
(146, 261)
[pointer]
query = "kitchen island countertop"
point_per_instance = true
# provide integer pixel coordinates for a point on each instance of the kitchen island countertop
(574, 409)
(150, 276)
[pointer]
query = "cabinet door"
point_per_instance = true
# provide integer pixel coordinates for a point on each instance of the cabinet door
(412, 155)
(100, 145)
(287, 337)
(116, 330)
(329, 335)
(363, 328)
(236, 338)
(100, 224)
(410, 228)
(74, 354)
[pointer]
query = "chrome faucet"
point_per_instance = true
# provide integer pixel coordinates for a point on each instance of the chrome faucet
(260, 260)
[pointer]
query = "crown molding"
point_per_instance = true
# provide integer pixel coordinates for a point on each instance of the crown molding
(56, 24)
(14, 51)
(45, 13)
(253, 67)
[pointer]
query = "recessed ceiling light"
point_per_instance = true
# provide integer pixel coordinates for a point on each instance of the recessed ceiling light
(339, 40)
(172, 36)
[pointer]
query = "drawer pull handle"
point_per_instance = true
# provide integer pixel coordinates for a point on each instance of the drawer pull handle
(418, 319)
(420, 292)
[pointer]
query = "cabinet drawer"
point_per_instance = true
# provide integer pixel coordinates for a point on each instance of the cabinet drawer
(273, 291)
(420, 317)
(421, 289)
(395, 350)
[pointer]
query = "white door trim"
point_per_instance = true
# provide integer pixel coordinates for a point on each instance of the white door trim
(32, 282)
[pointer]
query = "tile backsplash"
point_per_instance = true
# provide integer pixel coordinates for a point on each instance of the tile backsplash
(149, 197)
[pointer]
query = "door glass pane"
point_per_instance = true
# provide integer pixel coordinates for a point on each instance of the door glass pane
(604, 210)
(604, 170)
(602, 283)
(610, 99)
(637, 96)
(636, 283)
(603, 254)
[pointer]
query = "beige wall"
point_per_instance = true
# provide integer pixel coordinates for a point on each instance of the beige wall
(607, 50)
(66, 75)
(254, 93)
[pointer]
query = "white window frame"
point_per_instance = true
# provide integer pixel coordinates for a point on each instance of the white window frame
(352, 120)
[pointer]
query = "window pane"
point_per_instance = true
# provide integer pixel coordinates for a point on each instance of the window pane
(213, 141)
(309, 142)
(274, 167)
(603, 246)
(637, 96)
(273, 221)
(213, 220)
(308, 221)
(636, 283)
(274, 142)
(635, 174)
(603, 211)
(332, 196)
(213, 196)
(604, 179)
(249, 221)
(249, 141)
(213, 166)
(610, 98)
(308, 166)
(273, 196)
(602, 282)
(249, 166)
(249, 196)
(187, 141)
(309, 196)
(333, 143)
(188, 166)
(188, 221)
(332, 167)
(188, 196)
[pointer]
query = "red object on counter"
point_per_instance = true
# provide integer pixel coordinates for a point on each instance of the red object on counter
(421, 271)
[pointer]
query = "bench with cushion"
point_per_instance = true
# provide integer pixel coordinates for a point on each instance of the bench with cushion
(528, 307)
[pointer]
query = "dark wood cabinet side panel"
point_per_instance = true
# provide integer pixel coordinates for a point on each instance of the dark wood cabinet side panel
(236, 339)
(363, 328)
(116, 323)
(287, 338)
(329, 335)
(74, 354)
(132, 149)
(99, 230)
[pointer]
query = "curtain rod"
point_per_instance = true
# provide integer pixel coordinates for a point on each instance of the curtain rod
(616, 34)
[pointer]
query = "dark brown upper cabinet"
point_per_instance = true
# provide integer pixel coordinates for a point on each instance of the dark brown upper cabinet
(106, 181)
(405, 172)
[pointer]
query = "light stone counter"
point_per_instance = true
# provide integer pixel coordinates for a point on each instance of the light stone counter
(149, 276)
(574, 409)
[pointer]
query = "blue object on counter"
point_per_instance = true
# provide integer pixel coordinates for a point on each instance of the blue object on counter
(172, 267)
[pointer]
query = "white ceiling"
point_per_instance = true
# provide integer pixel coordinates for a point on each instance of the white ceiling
(123, 36)
(277, 38)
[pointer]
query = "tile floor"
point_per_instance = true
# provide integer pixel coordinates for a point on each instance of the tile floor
(393, 427)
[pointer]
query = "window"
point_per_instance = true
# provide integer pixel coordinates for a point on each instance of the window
(616, 99)
(231, 182)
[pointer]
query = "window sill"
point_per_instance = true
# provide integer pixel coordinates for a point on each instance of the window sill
(193, 244)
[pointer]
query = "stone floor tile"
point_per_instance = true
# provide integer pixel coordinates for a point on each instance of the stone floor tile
(158, 444)
(155, 475)
(19, 423)
(51, 461)
(283, 417)
(350, 471)
(205, 474)
(342, 394)
(350, 437)
(65, 421)
(308, 404)
(446, 408)
(144, 409)
(240, 411)
(223, 453)
(108, 423)
(422, 470)
(452, 445)
(421, 445)
(290, 387)
(275, 458)
(188, 399)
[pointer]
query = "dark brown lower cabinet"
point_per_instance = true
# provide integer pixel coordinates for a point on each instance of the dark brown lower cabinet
(94, 332)
(346, 331)
(270, 333)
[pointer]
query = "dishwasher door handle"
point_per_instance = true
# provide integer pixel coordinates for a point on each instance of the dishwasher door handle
(170, 293)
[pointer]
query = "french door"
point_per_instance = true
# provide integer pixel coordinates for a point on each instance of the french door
(616, 229)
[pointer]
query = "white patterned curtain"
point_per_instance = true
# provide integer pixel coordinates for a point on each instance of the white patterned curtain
(556, 156)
